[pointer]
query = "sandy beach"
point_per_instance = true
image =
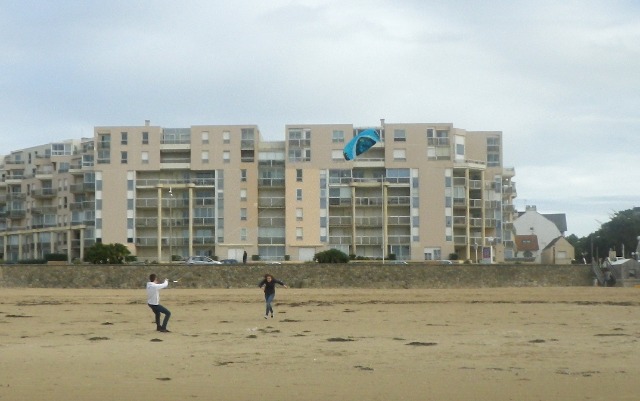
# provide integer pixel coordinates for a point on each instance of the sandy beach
(570, 343)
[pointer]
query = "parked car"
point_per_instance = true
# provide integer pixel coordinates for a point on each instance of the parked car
(201, 260)
(229, 261)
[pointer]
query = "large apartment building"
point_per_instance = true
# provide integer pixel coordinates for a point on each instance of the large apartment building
(424, 192)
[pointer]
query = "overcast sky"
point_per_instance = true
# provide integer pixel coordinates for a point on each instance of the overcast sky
(560, 79)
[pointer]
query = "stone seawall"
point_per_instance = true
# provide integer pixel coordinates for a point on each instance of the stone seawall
(352, 275)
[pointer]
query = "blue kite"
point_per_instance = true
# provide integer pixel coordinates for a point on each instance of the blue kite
(360, 144)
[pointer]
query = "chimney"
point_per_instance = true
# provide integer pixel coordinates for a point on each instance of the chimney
(147, 122)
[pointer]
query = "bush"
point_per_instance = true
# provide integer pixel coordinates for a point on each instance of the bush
(331, 256)
(255, 258)
(56, 257)
(391, 256)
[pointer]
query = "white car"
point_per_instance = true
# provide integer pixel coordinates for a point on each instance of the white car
(201, 260)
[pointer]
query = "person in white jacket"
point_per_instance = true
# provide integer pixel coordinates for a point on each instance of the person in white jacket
(153, 300)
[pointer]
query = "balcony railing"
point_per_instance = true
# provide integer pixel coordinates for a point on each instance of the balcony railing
(43, 193)
(271, 202)
(375, 221)
(271, 221)
(399, 240)
(271, 240)
(399, 220)
(340, 221)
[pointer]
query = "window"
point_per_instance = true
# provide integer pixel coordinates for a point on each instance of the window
(243, 194)
(205, 156)
(144, 156)
(226, 136)
(226, 156)
(243, 175)
(299, 175)
(400, 154)
(299, 214)
(145, 138)
(399, 135)
(124, 138)
(338, 136)
(243, 234)
(243, 213)
(123, 157)
(205, 137)
(299, 233)
(299, 194)
(459, 149)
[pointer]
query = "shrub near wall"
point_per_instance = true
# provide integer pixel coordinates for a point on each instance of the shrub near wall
(311, 275)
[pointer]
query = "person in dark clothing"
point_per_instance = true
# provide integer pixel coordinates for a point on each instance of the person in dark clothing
(244, 257)
(268, 283)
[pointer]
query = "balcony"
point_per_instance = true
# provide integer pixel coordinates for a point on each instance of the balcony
(43, 193)
(398, 220)
(204, 240)
(44, 210)
(365, 240)
(340, 240)
(476, 222)
(271, 240)
(16, 213)
(16, 196)
(146, 241)
(342, 202)
(86, 187)
(204, 221)
(399, 240)
(399, 200)
(14, 178)
(340, 221)
(271, 182)
(44, 173)
(368, 201)
(83, 205)
(375, 221)
(475, 203)
(271, 203)
(143, 203)
(271, 221)
(146, 222)
(459, 221)
(460, 240)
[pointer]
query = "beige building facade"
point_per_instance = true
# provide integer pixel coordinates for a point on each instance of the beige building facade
(424, 192)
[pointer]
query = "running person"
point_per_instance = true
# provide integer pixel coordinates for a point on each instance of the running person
(153, 300)
(269, 284)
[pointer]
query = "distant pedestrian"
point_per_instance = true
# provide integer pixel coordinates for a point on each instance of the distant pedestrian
(244, 257)
(153, 300)
(269, 285)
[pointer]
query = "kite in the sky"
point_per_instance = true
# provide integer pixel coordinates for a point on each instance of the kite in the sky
(360, 144)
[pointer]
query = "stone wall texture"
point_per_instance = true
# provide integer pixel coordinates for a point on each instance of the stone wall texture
(309, 275)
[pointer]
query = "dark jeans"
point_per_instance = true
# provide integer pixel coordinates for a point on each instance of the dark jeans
(157, 310)
(268, 298)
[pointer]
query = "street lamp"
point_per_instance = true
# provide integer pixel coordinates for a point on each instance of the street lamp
(170, 225)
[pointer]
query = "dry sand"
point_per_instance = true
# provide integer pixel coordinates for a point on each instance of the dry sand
(339, 344)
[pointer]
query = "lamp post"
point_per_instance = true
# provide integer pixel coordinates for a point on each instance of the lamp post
(170, 225)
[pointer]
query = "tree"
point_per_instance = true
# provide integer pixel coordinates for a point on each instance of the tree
(100, 253)
(619, 234)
